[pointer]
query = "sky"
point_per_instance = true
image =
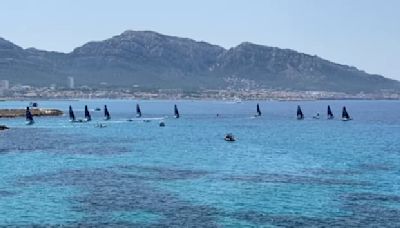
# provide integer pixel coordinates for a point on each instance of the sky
(360, 33)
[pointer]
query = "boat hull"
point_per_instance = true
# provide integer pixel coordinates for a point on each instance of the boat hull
(29, 122)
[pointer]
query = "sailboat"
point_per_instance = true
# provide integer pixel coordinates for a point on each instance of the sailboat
(138, 111)
(139, 116)
(258, 110)
(29, 117)
(106, 113)
(300, 114)
(330, 114)
(87, 114)
(176, 112)
(72, 117)
(345, 114)
(71, 114)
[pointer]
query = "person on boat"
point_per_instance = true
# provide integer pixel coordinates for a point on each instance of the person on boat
(229, 137)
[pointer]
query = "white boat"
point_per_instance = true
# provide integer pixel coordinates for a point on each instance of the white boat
(229, 137)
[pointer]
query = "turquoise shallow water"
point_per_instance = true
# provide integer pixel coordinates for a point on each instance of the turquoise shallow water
(279, 172)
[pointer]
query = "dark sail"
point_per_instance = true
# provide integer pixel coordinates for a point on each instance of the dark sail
(71, 114)
(87, 114)
(258, 110)
(330, 114)
(176, 112)
(29, 117)
(138, 111)
(345, 115)
(299, 113)
(106, 113)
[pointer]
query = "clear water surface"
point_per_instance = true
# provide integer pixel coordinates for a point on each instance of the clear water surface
(280, 172)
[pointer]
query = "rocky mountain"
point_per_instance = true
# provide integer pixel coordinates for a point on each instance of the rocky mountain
(152, 60)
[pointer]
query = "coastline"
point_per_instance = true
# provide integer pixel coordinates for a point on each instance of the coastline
(13, 113)
(230, 95)
(199, 99)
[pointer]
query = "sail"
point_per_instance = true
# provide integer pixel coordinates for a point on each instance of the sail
(106, 113)
(345, 115)
(330, 114)
(29, 117)
(138, 111)
(87, 114)
(71, 114)
(176, 112)
(299, 113)
(258, 110)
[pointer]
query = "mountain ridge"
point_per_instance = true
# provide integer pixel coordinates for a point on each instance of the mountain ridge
(153, 60)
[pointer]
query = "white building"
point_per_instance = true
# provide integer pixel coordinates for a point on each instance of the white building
(71, 82)
(4, 85)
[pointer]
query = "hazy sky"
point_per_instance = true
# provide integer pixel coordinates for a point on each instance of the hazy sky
(361, 33)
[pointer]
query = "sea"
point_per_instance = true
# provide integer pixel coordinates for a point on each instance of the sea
(280, 171)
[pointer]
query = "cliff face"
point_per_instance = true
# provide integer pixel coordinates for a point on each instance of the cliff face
(153, 60)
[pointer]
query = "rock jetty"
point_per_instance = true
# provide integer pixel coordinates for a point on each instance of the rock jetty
(13, 113)
(3, 127)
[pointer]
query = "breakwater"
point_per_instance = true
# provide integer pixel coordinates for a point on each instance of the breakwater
(13, 113)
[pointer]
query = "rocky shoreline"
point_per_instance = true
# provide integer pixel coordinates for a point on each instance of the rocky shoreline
(13, 113)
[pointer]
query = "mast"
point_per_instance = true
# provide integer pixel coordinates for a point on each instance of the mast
(106, 113)
(330, 114)
(300, 115)
(87, 114)
(258, 110)
(71, 114)
(345, 114)
(138, 111)
(176, 112)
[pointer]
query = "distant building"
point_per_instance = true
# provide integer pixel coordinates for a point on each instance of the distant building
(53, 86)
(4, 85)
(71, 82)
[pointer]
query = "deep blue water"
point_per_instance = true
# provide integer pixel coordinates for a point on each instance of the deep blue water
(279, 172)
